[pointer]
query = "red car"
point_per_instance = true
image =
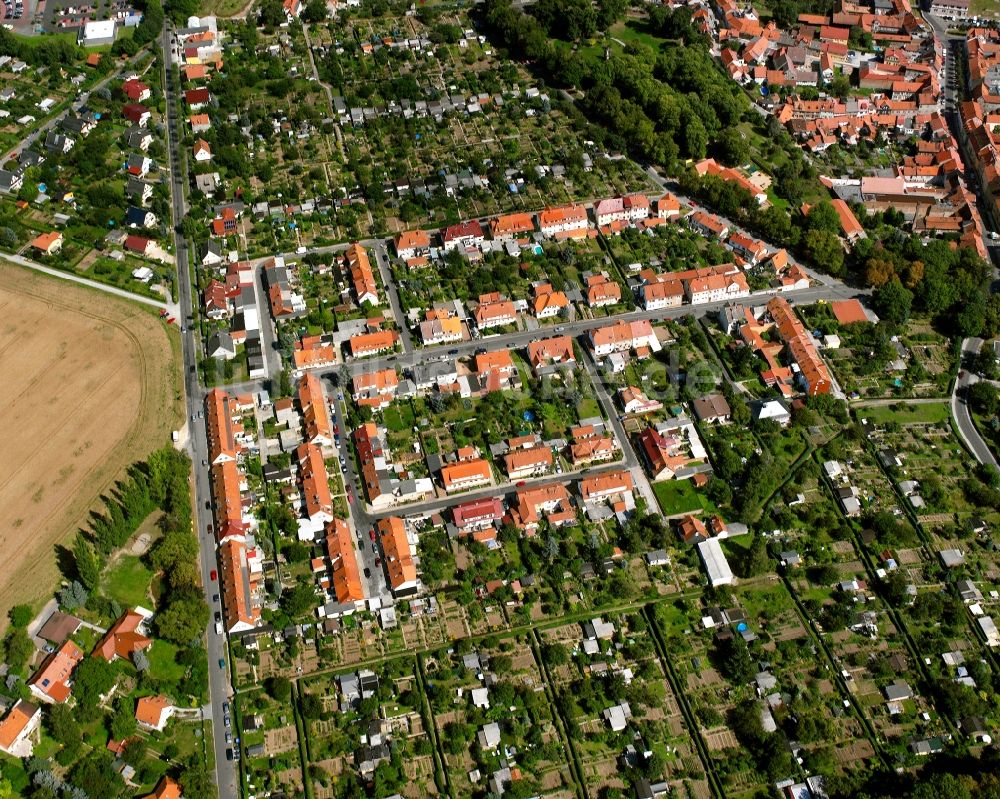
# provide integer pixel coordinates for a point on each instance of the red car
(521, 484)
(214, 575)
(371, 534)
(336, 429)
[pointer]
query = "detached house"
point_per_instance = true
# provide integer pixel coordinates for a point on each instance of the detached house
(18, 728)
(126, 637)
(47, 243)
(51, 683)
(202, 151)
(411, 244)
(136, 90)
(137, 114)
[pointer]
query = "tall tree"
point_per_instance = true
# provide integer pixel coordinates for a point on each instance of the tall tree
(88, 567)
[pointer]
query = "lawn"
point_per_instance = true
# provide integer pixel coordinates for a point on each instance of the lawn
(588, 408)
(680, 496)
(907, 413)
(162, 662)
(128, 582)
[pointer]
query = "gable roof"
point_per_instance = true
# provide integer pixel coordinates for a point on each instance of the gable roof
(123, 639)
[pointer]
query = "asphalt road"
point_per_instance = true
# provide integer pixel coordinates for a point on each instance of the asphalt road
(220, 686)
(444, 352)
(960, 408)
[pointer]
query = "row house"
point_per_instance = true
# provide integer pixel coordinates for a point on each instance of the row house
(345, 578)
(441, 330)
(602, 292)
(362, 278)
(623, 336)
(375, 390)
(314, 489)
(564, 222)
(511, 227)
(241, 580)
(315, 413)
(399, 562)
(365, 345)
(532, 505)
(494, 310)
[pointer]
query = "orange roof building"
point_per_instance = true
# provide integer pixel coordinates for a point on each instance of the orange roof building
(219, 414)
(17, 727)
(166, 788)
(124, 639)
(511, 226)
(849, 224)
(812, 370)
(51, 683)
(311, 352)
(606, 485)
(466, 474)
(48, 243)
(362, 278)
(315, 411)
(412, 243)
(343, 563)
(153, 712)
(316, 498)
(399, 562)
(849, 312)
(602, 292)
(521, 463)
(568, 221)
(241, 579)
(366, 344)
(551, 502)
(558, 350)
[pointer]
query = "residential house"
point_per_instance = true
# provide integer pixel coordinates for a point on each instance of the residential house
(411, 244)
(153, 712)
(18, 729)
(51, 683)
(494, 311)
(399, 563)
(464, 235)
(47, 243)
(466, 474)
(602, 292)
(564, 222)
(202, 151)
(511, 227)
(548, 303)
(125, 637)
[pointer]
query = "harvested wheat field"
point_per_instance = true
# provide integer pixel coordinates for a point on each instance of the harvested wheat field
(90, 385)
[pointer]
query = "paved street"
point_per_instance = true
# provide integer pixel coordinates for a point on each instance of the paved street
(960, 408)
(220, 687)
(520, 339)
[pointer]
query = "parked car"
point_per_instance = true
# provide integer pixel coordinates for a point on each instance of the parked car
(229, 754)
(222, 663)
(214, 575)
